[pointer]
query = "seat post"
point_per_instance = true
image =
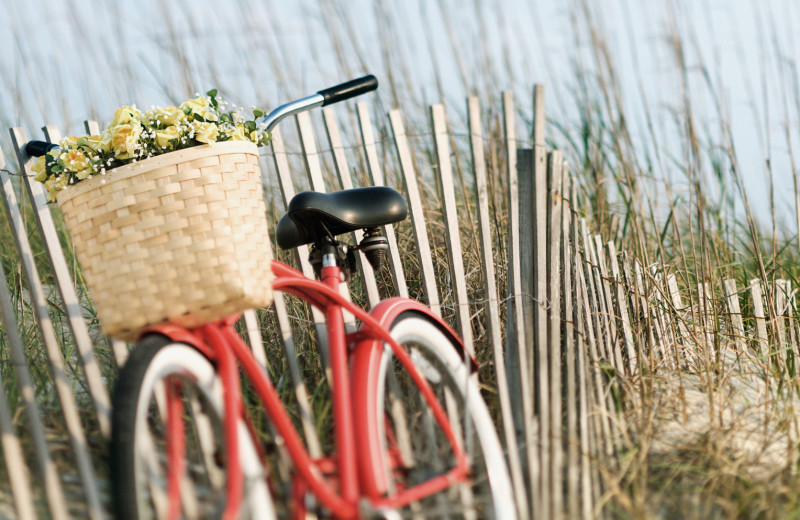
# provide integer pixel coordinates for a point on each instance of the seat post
(330, 274)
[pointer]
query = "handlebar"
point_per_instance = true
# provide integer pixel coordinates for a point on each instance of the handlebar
(38, 148)
(325, 97)
(349, 89)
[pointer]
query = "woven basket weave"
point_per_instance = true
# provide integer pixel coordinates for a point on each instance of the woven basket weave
(178, 238)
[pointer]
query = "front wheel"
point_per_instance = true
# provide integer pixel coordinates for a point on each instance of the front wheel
(413, 447)
(138, 456)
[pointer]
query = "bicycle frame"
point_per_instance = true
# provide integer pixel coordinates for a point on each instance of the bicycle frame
(357, 477)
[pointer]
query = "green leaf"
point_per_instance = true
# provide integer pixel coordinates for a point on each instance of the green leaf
(83, 141)
(212, 93)
(250, 125)
(257, 112)
(57, 168)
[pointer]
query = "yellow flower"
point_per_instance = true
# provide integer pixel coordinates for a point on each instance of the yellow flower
(166, 116)
(125, 114)
(124, 139)
(100, 143)
(55, 184)
(39, 169)
(166, 136)
(200, 106)
(205, 132)
(76, 161)
(238, 134)
(259, 137)
(172, 116)
(69, 142)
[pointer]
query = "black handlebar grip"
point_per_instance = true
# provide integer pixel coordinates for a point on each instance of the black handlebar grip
(352, 88)
(38, 148)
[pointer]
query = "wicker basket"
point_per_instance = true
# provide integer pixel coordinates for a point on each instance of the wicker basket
(178, 238)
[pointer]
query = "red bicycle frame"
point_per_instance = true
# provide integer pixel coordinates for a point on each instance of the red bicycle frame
(357, 477)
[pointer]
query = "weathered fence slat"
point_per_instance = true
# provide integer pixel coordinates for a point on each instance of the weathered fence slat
(287, 192)
(12, 449)
(586, 425)
(15, 461)
(447, 193)
(664, 328)
(492, 307)
(343, 172)
(785, 287)
(596, 406)
(535, 204)
(593, 291)
(791, 324)
(571, 395)
(66, 289)
(745, 363)
(612, 339)
(705, 297)
(687, 338)
(254, 337)
(636, 283)
(539, 369)
(595, 341)
(735, 315)
(638, 319)
(622, 308)
(301, 253)
(555, 173)
(518, 338)
(300, 390)
(761, 340)
(57, 363)
(310, 154)
(376, 177)
(526, 236)
(780, 296)
(604, 302)
(416, 210)
(317, 182)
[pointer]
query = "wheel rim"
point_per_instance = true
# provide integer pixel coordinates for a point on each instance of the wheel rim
(203, 492)
(440, 364)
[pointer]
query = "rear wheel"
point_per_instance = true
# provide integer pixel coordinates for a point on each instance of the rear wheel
(414, 447)
(138, 455)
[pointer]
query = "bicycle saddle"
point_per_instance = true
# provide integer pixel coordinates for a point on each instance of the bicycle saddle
(312, 215)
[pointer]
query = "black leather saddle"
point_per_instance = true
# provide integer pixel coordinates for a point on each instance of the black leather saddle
(312, 216)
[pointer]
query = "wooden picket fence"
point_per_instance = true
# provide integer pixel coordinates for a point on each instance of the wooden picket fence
(563, 325)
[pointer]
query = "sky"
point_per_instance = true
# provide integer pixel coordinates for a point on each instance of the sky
(64, 61)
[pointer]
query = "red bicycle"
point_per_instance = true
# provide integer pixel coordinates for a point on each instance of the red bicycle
(411, 433)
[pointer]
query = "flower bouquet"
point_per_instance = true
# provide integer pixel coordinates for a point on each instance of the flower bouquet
(166, 213)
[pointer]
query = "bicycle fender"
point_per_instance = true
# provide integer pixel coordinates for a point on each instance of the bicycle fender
(389, 310)
(364, 374)
(179, 334)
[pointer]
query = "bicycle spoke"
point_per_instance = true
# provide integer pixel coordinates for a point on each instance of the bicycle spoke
(205, 436)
